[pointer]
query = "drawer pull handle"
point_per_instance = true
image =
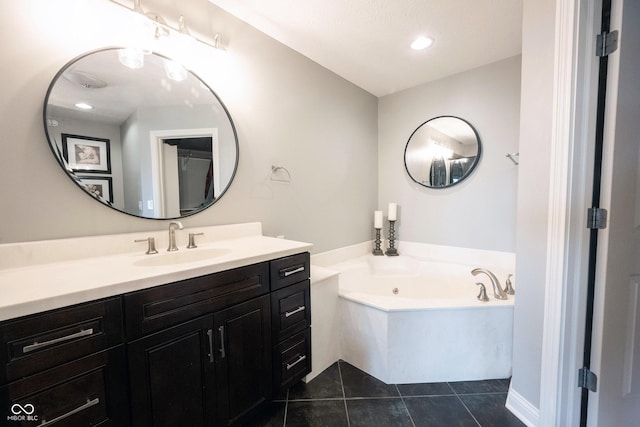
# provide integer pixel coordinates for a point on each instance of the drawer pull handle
(297, 310)
(300, 359)
(210, 335)
(288, 273)
(39, 345)
(89, 404)
(222, 352)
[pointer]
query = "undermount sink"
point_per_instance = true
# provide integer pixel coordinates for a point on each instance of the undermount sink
(181, 257)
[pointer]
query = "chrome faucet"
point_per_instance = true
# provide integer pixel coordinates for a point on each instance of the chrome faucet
(497, 289)
(173, 225)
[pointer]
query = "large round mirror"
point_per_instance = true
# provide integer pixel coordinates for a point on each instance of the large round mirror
(442, 152)
(140, 133)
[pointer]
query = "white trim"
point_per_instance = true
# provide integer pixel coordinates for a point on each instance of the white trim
(570, 183)
(155, 139)
(522, 408)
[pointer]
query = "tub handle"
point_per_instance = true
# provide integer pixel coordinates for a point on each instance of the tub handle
(300, 359)
(297, 310)
(482, 296)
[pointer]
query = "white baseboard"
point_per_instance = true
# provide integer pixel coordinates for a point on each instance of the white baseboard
(523, 409)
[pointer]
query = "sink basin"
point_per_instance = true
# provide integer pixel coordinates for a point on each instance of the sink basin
(181, 257)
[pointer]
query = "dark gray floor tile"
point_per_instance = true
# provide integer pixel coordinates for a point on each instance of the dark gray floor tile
(316, 413)
(425, 389)
(357, 383)
(490, 411)
(271, 417)
(326, 385)
(378, 412)
(435, 411)
(484, 386)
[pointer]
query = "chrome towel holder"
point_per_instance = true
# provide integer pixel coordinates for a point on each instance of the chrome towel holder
(280, 173)
(513, 157)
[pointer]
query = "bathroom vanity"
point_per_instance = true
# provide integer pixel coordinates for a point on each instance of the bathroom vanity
(210, 348)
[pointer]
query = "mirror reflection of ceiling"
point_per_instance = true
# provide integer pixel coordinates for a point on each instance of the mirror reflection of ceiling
(140, 133)
(367, 41)
(442, 152)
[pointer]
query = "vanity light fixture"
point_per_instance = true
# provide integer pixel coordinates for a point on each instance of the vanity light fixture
(163, 29)
(131, 57)
(175, 71)
(421, 43)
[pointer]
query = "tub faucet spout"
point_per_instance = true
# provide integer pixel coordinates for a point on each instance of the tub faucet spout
(498, 293)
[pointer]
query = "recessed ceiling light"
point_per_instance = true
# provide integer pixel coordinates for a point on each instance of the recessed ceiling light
(421, 43)
(84, 106)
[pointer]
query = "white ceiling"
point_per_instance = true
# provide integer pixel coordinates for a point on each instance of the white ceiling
(367, 41)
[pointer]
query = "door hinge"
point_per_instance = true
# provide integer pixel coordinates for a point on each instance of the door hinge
(596, 218)
(606, 43)
(587, 379)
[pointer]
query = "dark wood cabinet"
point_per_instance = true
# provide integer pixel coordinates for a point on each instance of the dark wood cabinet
(65, 367)
(291, 320)
(243, 359)
(206, 351)
(172, 376)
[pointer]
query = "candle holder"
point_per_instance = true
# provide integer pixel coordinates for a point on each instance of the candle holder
(378, 241)
(391, 250)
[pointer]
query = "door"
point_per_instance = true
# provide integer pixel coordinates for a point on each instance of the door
(171, 376)
(616, 333)
(242, 358)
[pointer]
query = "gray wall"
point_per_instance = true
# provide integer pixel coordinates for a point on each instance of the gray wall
(479, 212)
(287, 110)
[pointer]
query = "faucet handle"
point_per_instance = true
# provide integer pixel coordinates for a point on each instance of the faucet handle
(482, 296)
(192, 240)
(151, 248)
(508, 286)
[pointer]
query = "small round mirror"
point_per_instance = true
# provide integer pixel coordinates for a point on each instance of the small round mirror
(140, 133)
(442, 152)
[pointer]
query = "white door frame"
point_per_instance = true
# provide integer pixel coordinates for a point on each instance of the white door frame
(156, 138)
(573, 135)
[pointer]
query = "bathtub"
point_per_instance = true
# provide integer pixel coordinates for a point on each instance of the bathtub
(415, 318)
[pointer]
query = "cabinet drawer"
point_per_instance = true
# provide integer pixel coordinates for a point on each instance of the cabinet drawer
(289, 270)
(89, 391)
(34, 343)
(290, 310)
(164, 306)
(292, 360)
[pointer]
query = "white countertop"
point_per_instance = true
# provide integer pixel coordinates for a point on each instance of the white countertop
(31, 288)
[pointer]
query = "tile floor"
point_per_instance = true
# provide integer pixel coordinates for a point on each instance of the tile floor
(345, 396)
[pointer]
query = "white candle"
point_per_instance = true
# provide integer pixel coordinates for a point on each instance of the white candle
(377, 219)
(393, 211)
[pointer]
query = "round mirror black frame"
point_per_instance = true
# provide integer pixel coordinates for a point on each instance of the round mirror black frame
(86, 188)
(439, 170)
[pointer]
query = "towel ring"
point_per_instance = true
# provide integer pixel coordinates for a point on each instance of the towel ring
(274, 172)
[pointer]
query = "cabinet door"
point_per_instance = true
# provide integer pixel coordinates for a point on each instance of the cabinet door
(90, 391)
(172, 376)
(243, 359)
